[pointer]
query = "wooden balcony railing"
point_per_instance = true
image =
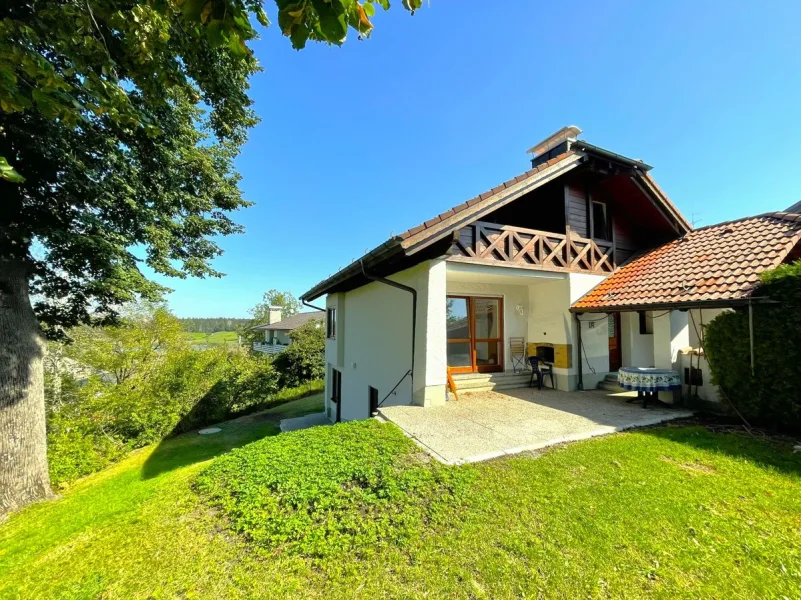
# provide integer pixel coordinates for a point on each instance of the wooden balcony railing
(491, 243)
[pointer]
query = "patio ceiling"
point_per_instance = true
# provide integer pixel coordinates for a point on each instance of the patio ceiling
(499, 275)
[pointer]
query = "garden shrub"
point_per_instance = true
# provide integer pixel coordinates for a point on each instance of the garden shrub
(98, 422)
(317, 492)
(304, 359)
(772, 396)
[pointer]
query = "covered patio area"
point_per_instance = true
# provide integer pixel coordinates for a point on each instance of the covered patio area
(485, 425)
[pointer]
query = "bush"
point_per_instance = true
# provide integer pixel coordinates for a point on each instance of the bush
(325, 490)
(772, 396)
(304, 359)
(92, 425)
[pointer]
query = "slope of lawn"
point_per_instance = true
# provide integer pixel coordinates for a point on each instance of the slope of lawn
(218, 338)
(355, 511)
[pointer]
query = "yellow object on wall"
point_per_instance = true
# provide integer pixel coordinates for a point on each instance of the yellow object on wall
(563, 353)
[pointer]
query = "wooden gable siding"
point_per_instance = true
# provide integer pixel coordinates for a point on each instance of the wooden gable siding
(625, 246)
(577, 217)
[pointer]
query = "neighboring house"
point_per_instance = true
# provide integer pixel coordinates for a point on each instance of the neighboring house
(516, 261)
(795, 208)
(277, 330)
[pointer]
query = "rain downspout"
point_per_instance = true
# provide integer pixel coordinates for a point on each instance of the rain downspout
(580, 364)
(304, 303)
(413, 292)
(751, 334)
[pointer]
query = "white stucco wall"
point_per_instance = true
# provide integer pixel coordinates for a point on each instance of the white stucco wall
(698, 319)
(431, 338)
(374, 340)
(638, 349)
(550, 321)
(594, 336)
(671, 334)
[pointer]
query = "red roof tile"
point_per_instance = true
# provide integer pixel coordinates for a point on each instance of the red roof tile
(718, 262)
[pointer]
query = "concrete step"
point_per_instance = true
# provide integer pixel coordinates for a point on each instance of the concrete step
(488, 382)
(492, 388)
(611, 377)
(609, 383)
(491, 381)
(496, 376)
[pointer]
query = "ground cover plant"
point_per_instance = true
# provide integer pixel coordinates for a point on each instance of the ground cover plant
(667, 512)
(319, 492)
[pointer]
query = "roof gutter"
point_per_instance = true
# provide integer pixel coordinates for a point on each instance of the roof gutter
(603, 153)
(386, 250)
(674, 305)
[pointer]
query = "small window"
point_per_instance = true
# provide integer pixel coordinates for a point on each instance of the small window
(600, 220)
(372, 396)
(646, 322)
(331, 324)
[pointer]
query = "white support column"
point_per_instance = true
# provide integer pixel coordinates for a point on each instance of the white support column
(430, 377)
(671, 334)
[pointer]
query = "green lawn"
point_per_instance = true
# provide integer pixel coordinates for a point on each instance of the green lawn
(667, 512)
(218, 338)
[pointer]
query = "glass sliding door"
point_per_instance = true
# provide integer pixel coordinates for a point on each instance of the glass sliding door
(457, 322)
(487, 334)
(475, 334)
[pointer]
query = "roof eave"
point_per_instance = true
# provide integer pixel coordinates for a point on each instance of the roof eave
(685, 305)
(608, 154)
(386, 250)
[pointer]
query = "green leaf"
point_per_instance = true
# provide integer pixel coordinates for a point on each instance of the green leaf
(8, 172)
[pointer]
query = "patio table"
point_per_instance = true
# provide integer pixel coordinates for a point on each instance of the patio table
(648, 381)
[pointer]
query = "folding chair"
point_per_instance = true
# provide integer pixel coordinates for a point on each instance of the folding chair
(517, 353)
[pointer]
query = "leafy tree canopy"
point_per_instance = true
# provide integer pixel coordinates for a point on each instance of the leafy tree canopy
(119, 124)
(145, 333)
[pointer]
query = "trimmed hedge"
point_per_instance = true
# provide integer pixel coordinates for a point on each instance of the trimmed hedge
(326, 490)
(772, 396)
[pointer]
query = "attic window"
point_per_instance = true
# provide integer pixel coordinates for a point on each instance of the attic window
(601, 224)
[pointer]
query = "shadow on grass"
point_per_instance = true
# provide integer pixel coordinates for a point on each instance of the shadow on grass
(190, 448)
(721, 437)
(184, 448)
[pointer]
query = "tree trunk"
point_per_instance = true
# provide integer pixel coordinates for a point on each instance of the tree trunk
(24, 477)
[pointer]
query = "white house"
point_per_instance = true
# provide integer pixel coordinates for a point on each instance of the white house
(277, 330)
(523, 260)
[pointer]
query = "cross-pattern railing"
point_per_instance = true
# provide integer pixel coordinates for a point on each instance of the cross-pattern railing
(489, 242)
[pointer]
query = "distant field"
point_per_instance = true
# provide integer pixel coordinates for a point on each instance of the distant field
(218, 338)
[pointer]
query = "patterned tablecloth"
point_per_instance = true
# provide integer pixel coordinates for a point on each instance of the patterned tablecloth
(641, 379)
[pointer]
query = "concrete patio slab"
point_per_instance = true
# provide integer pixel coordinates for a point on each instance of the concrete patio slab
(312, 420)
(485, 425)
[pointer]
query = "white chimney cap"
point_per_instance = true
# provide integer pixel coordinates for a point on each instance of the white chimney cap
(571, 132)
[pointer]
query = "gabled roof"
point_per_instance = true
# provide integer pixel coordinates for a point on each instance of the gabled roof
(293, 322)
(422, 236)
(718, 264)
(795, 208)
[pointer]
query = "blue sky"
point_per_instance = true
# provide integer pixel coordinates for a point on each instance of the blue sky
(375, 137)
